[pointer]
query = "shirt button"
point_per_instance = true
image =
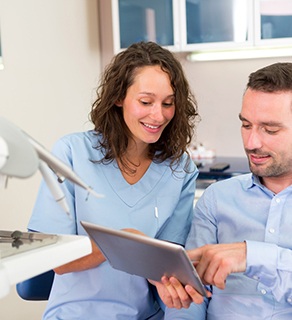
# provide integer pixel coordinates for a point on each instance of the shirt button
(278, 200)
(272, 230)
(255, 277)
(263, 291)
(289, 300)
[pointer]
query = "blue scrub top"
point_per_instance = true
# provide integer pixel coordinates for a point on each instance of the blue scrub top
(160, 205)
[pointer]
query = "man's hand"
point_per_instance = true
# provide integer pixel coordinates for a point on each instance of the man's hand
(215, 262)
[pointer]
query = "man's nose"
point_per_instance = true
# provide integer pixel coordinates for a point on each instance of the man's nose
(253, 140)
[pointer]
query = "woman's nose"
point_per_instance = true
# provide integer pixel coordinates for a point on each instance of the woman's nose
(157, 112)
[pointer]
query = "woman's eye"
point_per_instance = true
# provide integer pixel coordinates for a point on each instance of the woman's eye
(145, 103)
(168, 104)
(148, 103)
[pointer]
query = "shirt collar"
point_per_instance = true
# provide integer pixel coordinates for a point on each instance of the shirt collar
(255, 181)
(249, 180)
(252, 180)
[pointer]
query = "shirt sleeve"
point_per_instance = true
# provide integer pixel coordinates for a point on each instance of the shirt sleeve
(204, 228)
(271, 266)
(195, 311)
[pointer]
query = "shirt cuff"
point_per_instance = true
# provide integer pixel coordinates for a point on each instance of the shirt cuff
(261, 262)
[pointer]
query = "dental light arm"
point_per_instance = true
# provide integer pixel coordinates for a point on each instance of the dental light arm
(18, 157)
(21, 156)
(59, 167)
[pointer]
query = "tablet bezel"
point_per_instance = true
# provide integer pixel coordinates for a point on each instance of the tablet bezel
(144, 256)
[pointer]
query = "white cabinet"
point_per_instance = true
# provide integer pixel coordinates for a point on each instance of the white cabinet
(146, 20)
(198, 25)
(216, 24)
(273, 22)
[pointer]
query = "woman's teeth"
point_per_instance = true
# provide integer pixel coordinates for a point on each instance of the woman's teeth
(150, 126)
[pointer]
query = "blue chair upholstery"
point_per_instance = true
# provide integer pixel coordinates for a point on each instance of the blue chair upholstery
(36, 288)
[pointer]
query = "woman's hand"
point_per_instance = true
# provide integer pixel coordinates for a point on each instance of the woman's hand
(175, 295)
(135, 231)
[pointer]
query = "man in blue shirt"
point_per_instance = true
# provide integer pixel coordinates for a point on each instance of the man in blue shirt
(242, 226)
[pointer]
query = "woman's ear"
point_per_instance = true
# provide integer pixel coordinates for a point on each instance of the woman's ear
(119, 103)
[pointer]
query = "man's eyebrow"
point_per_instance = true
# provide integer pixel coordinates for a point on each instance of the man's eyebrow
(267, 123)
(241, 118)
(272, 124)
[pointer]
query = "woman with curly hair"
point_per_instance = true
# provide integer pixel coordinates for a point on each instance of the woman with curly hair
(136, 155)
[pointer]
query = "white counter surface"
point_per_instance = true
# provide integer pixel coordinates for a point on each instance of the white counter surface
(24, 265)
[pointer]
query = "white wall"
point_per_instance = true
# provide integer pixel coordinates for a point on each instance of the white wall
(51, 67)
(219, 86)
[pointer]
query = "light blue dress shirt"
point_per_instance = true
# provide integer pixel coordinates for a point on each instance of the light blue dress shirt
(160, 205)
(242, 209)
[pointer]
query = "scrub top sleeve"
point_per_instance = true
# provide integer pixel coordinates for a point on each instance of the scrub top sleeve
(47, 215)
(62, 151)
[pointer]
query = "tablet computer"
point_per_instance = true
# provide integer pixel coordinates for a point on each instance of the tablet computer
(144, 256)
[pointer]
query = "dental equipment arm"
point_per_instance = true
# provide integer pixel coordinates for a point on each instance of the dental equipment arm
(21, 156)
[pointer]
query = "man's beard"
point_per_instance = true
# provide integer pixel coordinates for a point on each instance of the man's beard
(273, 169)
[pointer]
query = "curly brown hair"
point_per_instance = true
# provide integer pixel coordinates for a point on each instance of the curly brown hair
(118, 76)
